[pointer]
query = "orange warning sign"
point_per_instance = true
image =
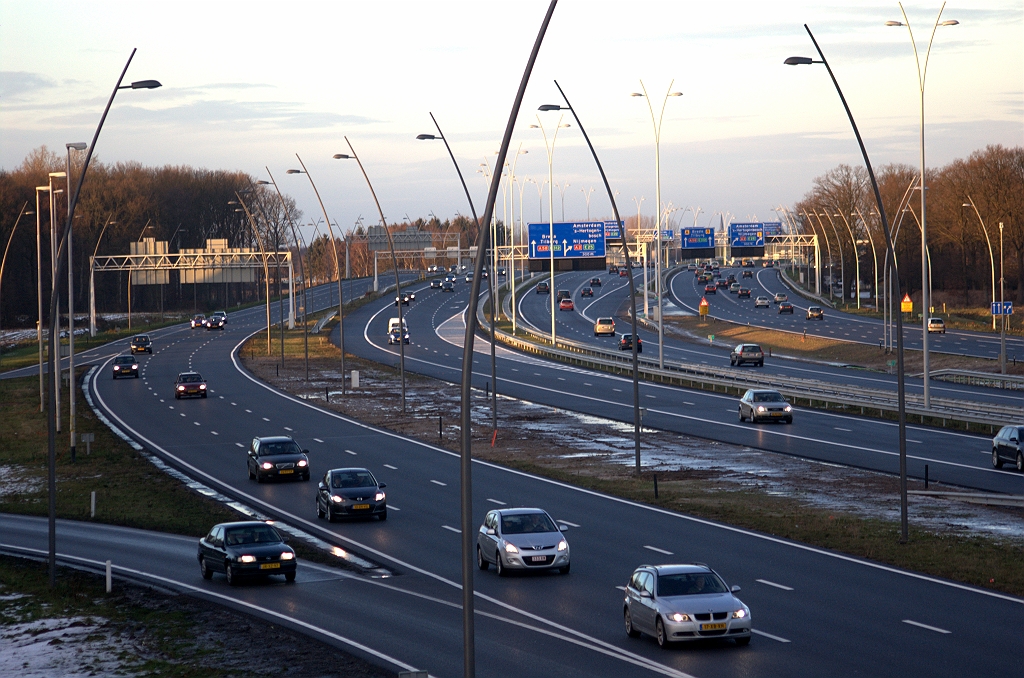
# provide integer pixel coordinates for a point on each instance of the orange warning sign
(703, 308)
(906, 305)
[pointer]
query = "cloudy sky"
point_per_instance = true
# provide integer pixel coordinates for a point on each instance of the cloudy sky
(250, 84)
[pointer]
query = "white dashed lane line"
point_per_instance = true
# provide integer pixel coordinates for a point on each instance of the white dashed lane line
(197, 423)
(351, 452)
(771, 583)
(499, 503)
(452, 529)
(768, 635)
(240, 445)
(657, 550)
(566, 522)
(842, 429)
(265, 419)
(438, 482)
(287, 428)
(926, 626)
(393, 468)
(249, 411)
(214, 433)
(317, 440)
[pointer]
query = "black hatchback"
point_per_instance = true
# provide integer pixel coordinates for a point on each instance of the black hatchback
(626, 343)
(141, 343)
(277, 457)
(245, 549)
(351, 492)
(1007, 446)
(126, 366)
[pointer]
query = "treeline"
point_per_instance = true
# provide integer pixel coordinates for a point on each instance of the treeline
(992, 179)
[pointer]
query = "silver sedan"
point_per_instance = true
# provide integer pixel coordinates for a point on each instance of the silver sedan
(683, 603)
(521, 539)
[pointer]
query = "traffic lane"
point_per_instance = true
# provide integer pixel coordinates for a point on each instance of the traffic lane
(859, 441)
(350, 612)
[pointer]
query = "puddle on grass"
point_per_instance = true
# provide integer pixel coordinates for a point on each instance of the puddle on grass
(11, 482)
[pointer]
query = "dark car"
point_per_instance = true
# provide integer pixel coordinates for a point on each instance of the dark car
(766, 405)
(747, 274)
(587, 292)
(747, 353)
(595, 282)
(613, 270)
(189, 384)
(126, 366)
(626, 343)
(815, 313)
(786, 307)
(743, 292)
(215, 322)
(406, 298)
(220, 314)
(198, 320)
(731, 278)
(351, 492)
(563, 294)
(141, 343)
(543, 288)
(1006, 446)
(724, 284)
(447, 286)
(501, 271)
(435, 284)
(769, 264)
(623, 272)
(245, 549)
(277, 457)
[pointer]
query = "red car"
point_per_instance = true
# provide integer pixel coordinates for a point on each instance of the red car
(623, 272)
(710, 289)
(565, 305)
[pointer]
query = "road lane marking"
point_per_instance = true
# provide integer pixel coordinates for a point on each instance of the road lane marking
(393, 508)
(768, 635)
(925, 626)
(566, 522)
(197, 423)
(214, 433)
(438, 482)
(240, 445)
(452, 529)
(249, 411)
(657, 550)
(393, 468)
(317, 440)
(617, 390)
(842, 429)
(771, 583)
(351, 452)
(265, 419)
(499, 503)
(286, 428)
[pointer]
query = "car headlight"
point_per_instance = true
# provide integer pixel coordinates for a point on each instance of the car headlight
(760, 408)
(679, 617)
(247, 559)
(181, 388)
(267, 465)
(202, 387)
(337, 500)
(562, 545)
(511, 548)
(739, 614)
(379, 496)
(287, 555)
(135, 367)
(302, 463)
(789, 408)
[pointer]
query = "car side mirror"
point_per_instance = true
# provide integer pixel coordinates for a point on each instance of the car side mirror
(382, 485)
(735, 588)
(322, 486)
(646, 594)
(563, 528)
(305, 451)
(490, 531)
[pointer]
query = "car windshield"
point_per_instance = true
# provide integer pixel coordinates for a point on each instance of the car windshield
(348, 479)
(751, 347)
(190, 378)
(124, 361)
(254, 534)
(605, 321)
(279, 447)
(690, 584)
(527, 523)
(141, 339)
(769, 397)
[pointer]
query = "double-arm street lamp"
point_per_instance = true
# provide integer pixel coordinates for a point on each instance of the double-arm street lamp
(550, 148)
(92, 277)
(266, 270)
(656, 122)
(900, 380)
(922, 74)
(73, 146)
(991, 256)
(856, 255)
(298, 253)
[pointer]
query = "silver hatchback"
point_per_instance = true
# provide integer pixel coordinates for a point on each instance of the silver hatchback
(677, 603)
(521, 539)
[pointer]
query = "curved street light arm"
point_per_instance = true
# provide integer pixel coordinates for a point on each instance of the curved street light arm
(298, 247)
(263, 251)
(900, 383)
(24, 211)
(632, 285)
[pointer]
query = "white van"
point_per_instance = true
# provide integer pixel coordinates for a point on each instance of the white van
(393, 324)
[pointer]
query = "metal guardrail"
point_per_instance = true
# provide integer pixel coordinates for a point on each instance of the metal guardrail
(1011, 382)
(809, 390)
(319, 326)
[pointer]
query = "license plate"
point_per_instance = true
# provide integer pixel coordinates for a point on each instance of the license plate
(277, 566)
(287, 470)
(361, 506)
(776, 414)
(538, 559)
(712, 627)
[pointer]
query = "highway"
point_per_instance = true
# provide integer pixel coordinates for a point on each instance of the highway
(814, 611)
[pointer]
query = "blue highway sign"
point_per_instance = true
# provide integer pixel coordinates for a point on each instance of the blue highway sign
(746, 234)
(576, 239)
(698, 238)
(1002, 308)
(612, 230)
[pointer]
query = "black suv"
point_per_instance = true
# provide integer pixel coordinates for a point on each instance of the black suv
(277, 457)
(141, 343)
(543, 288)
(1006, 446)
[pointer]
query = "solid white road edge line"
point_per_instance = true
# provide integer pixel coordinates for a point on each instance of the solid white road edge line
(925, 626)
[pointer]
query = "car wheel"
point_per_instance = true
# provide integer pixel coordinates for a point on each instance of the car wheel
(659, 628)
(205, 569)
(743, 642)
(732, 363)
(252, 476)
(136, 375)
(499, 567)
(628, 620)
(480, 562)
(319, 511)
(230, 573)
(177, 396)
(290, 578)
(330, 514)
(1020, 461)
(742, 416)
(996, 461)
(565, 570)
(383, 516)
(259, 476)
(789, 420)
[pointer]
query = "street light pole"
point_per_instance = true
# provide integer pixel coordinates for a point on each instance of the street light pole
(856, 256)
(550, 148)
(991, 256)
(922, 74)
(263, 251)
(1002, 306)
(77, 146)
(92, 276)
(39, 295)
(657, 201)
(587, 194)
(647, 309)
(23, 213)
